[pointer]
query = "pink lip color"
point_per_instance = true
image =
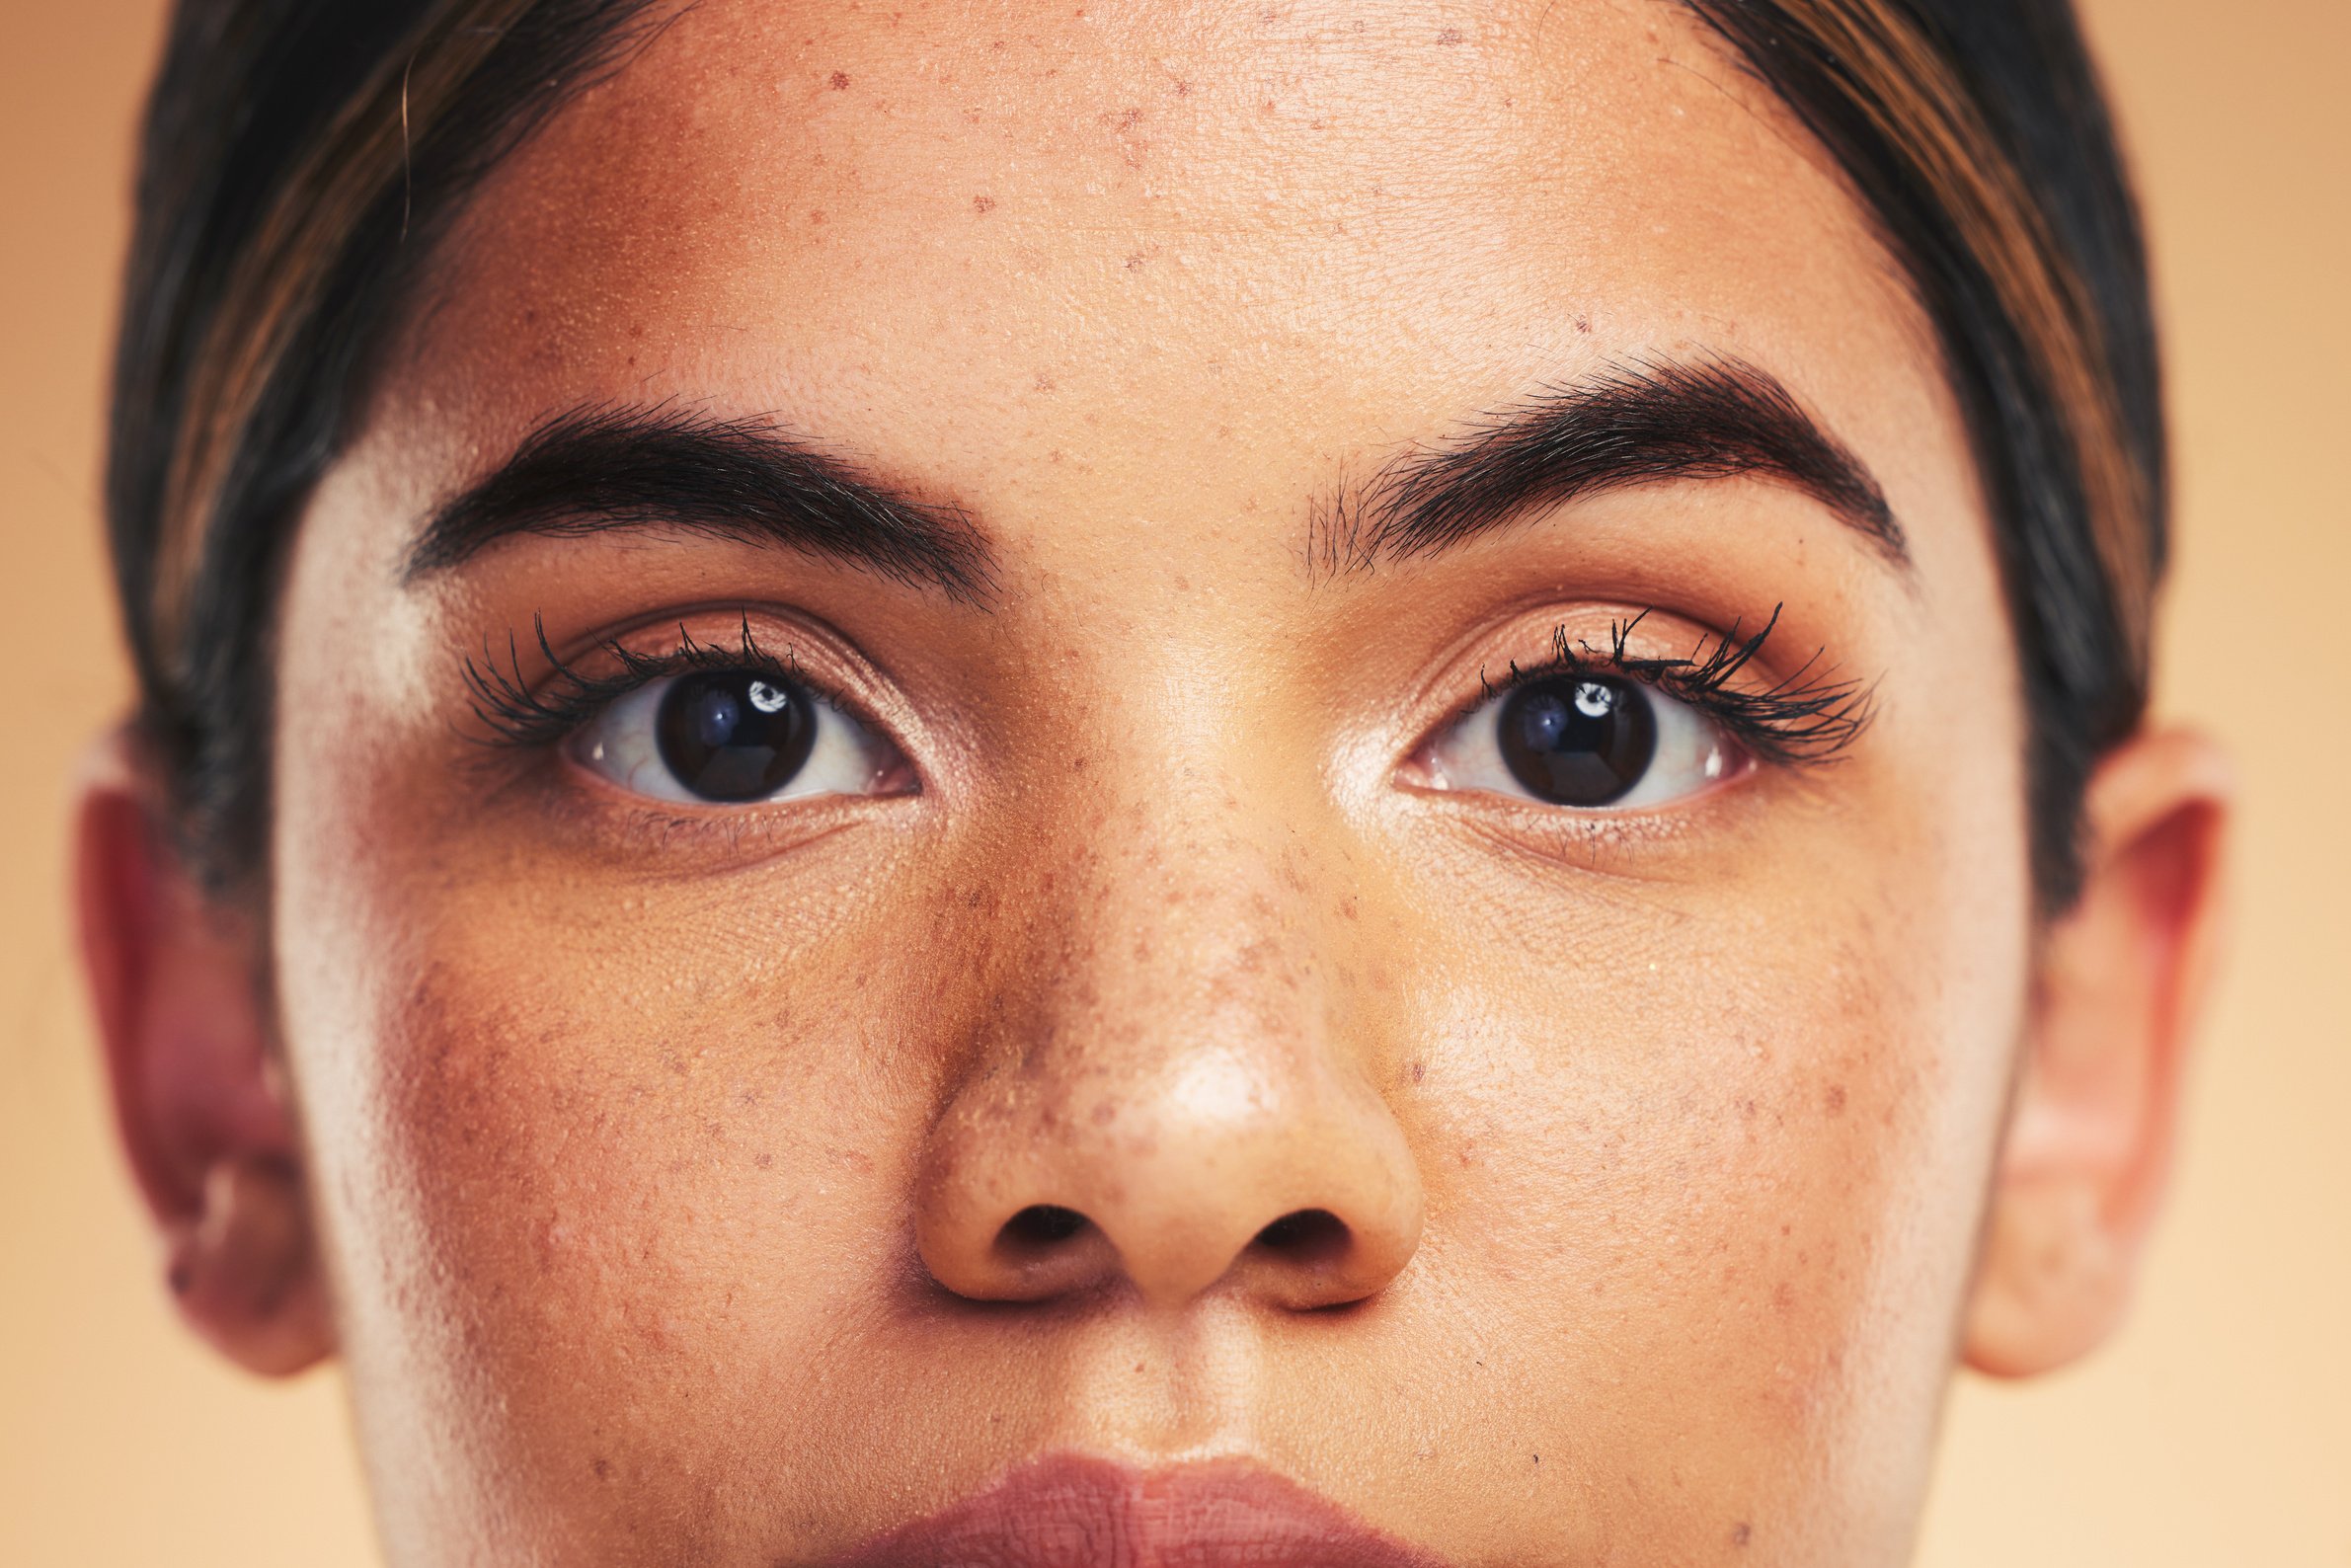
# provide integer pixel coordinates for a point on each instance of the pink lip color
(1068, 1512)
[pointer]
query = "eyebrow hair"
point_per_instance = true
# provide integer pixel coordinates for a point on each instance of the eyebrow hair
(620, 466)
(1634, 423)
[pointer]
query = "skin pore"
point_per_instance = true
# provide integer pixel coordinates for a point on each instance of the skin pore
(649, 1161)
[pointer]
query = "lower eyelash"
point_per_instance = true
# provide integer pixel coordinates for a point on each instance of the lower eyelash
(1809, 717)
(517, 713)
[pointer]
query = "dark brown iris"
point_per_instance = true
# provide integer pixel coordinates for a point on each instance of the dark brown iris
(735, 735)
(1579, 740)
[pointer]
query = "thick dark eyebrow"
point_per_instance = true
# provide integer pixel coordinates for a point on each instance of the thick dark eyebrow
(618, 466)
(1635, 424)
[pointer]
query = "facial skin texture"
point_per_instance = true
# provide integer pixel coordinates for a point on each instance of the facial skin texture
(657, 1152)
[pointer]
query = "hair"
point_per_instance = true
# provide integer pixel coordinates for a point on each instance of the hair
(300, 158)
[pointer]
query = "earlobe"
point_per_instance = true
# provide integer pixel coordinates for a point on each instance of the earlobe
(2121, 979)
(199, 1106)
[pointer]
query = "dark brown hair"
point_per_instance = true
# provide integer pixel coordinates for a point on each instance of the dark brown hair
(301, 156)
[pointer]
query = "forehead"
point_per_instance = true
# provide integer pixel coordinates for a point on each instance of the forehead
(973, 240)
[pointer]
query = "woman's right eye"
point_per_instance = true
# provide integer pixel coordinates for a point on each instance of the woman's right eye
(732, 737)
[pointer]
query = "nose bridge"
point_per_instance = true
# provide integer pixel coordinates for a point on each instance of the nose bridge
(1177, 1067)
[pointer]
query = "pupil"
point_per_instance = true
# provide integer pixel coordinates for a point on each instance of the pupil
(735, 735)
(1579, 740)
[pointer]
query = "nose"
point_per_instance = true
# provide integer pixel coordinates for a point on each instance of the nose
(1177, 1108)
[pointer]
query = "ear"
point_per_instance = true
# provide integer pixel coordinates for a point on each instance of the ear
(200, 1102)
(2121, 979)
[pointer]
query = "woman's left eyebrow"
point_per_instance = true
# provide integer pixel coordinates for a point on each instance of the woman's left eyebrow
(1641, 423)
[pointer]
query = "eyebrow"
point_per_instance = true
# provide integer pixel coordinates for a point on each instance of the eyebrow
(1634, 423)
(612, 467)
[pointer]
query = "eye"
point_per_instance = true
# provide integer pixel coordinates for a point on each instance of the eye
(1584, 740)
(729, 737)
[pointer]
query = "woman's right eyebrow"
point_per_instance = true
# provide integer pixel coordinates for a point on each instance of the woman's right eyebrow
(606, 467)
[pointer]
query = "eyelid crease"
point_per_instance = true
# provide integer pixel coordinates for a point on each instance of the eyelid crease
(1807, 718)
(521, 715)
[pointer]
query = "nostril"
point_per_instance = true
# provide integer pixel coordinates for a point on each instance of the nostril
(1041, 1226)
(1309, 1236)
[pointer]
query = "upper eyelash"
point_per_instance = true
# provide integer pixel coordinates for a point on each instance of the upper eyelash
(517, 713)
(1809, 716)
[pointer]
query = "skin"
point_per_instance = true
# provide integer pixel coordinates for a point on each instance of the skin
(643, 1162)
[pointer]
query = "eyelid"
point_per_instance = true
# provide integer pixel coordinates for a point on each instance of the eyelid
(543, 708)
(1808, 717)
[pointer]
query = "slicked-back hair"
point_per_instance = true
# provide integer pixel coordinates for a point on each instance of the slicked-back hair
(302, 156)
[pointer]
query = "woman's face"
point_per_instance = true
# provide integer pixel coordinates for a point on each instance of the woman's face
(1090, 555)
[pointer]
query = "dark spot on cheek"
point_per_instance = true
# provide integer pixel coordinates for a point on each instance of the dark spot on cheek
(984, 205)
(1741, 1534)
(1834, 1100)
(603, 1468)
(840, 81)
(1449, 36)
(1420, 1070)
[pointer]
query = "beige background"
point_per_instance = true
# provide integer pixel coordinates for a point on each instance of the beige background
(2217, 1432)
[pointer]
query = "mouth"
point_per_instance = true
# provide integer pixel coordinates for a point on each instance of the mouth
(1071, 1512)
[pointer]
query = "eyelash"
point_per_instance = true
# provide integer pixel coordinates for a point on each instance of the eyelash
(1809, 717)
(521, 716)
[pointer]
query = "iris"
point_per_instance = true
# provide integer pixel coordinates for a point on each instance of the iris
(735, 735)
(1578, 740)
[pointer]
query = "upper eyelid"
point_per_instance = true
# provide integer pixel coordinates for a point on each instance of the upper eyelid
(520, 711)
(1810, 716)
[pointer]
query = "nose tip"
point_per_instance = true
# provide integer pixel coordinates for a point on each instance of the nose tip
(1298, 1213)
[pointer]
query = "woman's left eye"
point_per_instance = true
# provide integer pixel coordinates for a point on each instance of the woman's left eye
(1584, 740)
(732, 737)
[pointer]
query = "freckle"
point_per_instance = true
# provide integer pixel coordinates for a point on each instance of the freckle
(1449, 36)
(840, 81)
(1346, 908)
(1835, 1099)
(815, 216)
(1420, 1070)
(1741, 1534)
(603, 1468)
(984, 205)
(763, 1162)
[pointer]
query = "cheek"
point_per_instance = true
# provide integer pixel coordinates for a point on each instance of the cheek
(1733, 1170)
(597, 1170)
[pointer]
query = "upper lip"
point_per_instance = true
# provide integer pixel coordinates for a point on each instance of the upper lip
(1070, 1511)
